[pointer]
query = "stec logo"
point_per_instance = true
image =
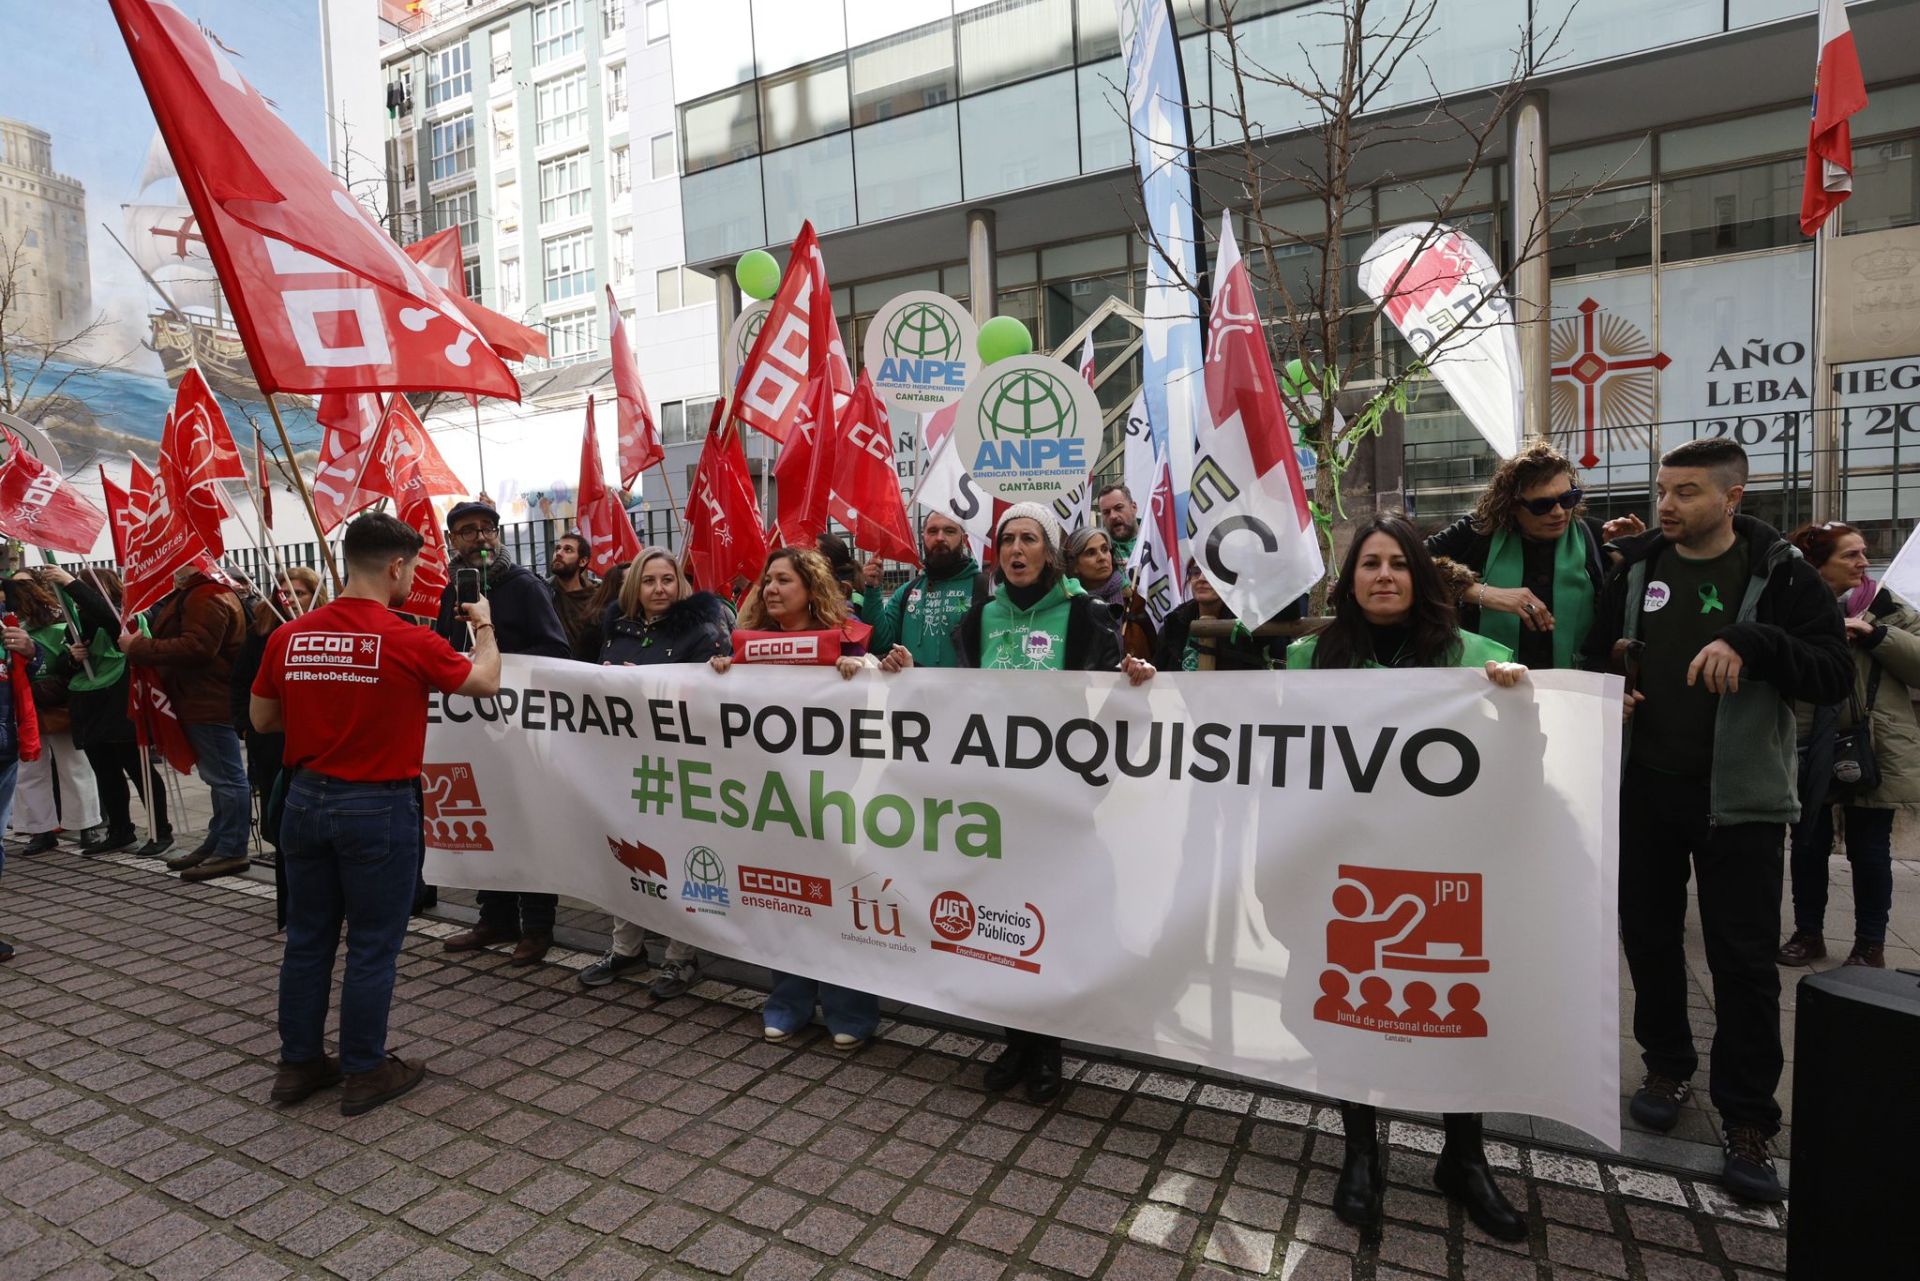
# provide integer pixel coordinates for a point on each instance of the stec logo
(646, 861)
(356, 650)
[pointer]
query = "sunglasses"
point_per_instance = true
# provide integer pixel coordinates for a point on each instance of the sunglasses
(1542, 506)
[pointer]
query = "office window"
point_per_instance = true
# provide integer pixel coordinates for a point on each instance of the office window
(1756, 207)
(472, 278)
(1012, 40)
(666, 289)
(905, 73)
(696, 287)
(510, 284)
(574, 338)
(567, 266)
(1607, 231)
(505, 132)
(455, 209)
(656, 21)
(558, 29)
(804, 103)
(450, 148)
(500, 50)
(663, 155)
(622, 253)
(566, 187)
(616, 90)
(613, 16)
(620, 170)
(560, 108)
(673, 423)
(700, 416)
(449, 73)
(724, 128)
(506, 207)
(1886, 187)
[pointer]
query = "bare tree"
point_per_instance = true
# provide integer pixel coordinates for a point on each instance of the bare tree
(35, 370)
(1338, 135)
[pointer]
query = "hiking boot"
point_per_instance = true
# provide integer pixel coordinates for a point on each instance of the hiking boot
(365, 1091)
(87, 836)
(228, 865)
(298, 1082)
(532, 949)
(112, 842)
(192, 858)
(160, 844)
(1748, 1170)
(40, 844)
(1656, 1104)
(1803, 947)
(1873, 955)
(481, 935)
(674, 979)
(610, 967)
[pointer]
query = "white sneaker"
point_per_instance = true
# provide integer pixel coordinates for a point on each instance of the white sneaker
(774, 1034)
(847, 1041)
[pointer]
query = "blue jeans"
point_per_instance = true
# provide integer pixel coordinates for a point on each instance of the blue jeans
(350, 851)
(790, 1005)
(1869, 849)
(224, 770)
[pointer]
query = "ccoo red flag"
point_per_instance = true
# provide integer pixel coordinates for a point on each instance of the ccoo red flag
(162, 540)
(724, 538)
(798, 345)
(323, 298)
(349, 429)
(440, 258)
(197, 453)
(640, 446)
(119, 516)
(864, 478)
(405, 456)
(38, 507)
(602, 519)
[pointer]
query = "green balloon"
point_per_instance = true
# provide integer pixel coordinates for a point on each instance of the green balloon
(1003, 336)
(758, 274)
(1297, 382)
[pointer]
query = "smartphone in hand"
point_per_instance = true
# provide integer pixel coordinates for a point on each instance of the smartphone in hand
(466, 586)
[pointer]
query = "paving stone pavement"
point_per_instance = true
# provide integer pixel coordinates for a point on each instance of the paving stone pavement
(600, 1135)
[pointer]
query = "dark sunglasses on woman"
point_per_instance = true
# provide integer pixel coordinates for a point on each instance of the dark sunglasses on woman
(1542, 506)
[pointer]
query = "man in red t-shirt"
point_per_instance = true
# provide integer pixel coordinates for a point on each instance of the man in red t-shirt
(348, 684)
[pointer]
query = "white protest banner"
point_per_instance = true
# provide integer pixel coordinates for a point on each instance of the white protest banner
(1291, 877)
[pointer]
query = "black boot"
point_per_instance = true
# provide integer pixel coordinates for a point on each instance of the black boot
(1011, 1067)
(1464, 1175)
(1043, 1071)
(1359, 1198)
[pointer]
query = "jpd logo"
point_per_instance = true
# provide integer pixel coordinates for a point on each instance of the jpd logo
(1389, 925)
(451, 810)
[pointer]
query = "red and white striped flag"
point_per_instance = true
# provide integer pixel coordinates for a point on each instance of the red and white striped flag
(1839, 92)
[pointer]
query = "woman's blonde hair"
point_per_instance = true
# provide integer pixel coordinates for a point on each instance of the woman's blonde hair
(630, 585)
(308, 579)
(824, 601)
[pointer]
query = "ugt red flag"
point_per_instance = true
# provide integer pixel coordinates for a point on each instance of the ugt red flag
(323, 298)
(119, 515)
(440, 258)
(640, 446)
(155, 724)
(162, 541)
(798, 345)
(1259, 549)
(724, 538)
(405, 458)
(805, 469)
(38, 507)
(602, 519)
(197, 453)
(865, 479)
(349, 430)
(1839, 92)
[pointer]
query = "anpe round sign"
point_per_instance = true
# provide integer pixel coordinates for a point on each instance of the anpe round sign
(920, 351)
(1027, 429)
(746, 328)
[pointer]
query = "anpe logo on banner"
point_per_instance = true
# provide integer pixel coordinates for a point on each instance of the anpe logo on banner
(746, 331)
(1403, 923)
(450, 809)
(962, 927)
(1027, 429)
(920, 349)
(777, 891)
(644, 860)
(705, 889)
(875, 907)
(356, 650)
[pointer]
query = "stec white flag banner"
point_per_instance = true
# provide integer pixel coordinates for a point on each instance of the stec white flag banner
(1286, 876)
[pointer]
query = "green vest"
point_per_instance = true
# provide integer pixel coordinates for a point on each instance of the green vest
(1475, 651)
(1027, 640)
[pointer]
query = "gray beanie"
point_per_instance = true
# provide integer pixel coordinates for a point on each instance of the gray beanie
(1039, 513)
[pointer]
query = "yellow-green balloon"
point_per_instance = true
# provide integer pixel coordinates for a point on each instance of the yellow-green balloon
(758, 274)
(1001, 337)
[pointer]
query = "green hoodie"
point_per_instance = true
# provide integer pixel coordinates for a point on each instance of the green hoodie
(921, 615)
(1028, 640)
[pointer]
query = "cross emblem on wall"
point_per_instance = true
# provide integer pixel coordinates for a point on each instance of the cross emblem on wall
(1596, 361)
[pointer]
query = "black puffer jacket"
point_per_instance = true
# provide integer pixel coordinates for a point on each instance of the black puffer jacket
(691, 631)
(524, 620)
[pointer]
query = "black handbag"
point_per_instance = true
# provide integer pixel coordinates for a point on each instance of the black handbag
(1856, 769)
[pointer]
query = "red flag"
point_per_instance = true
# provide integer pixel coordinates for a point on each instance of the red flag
(349, 431)
(798, 345)
(38, 507)
(405, 456)
(803, 474)
(440, 258)
(163, 540)
(119, 516)
(640, 446)
(323, 298)
(1839, 92)
(197, 453)
(266, 489)
(602, 518)
(155, 726)
(864, 476)
(724, 538)
(26, 719)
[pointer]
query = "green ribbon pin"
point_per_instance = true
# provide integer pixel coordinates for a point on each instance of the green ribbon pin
(1710, 599)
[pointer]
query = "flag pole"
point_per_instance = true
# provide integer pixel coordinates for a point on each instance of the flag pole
(1826, 426)
(480, 445)
(306, 495)
(66, 607)
(666, 480)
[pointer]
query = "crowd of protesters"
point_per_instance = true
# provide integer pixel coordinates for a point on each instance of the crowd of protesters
(1753, 663)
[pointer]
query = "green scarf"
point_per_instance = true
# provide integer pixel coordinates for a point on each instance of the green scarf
(1572, 593)
(1029, 640)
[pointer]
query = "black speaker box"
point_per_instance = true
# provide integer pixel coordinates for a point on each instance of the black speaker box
(1855, 1210)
